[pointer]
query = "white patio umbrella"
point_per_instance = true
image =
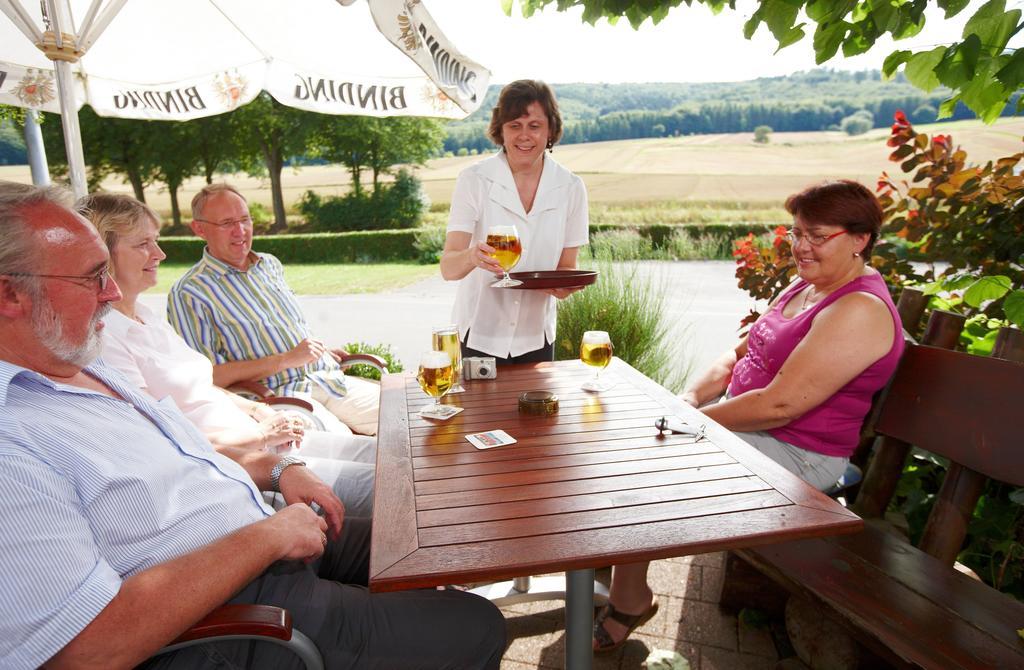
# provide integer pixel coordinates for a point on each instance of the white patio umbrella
(154, 59)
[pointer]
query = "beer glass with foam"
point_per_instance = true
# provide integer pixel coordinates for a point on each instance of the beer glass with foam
(435, 376)
(446, 339)
(596, 351)
(507, 250)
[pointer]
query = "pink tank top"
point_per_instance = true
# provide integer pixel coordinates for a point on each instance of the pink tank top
(833, 427)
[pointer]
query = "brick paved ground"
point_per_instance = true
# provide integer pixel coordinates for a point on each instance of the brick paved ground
(688, 621)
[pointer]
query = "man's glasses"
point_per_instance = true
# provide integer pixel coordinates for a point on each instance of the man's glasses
(98, 281)
(245, 221)
(795, 237)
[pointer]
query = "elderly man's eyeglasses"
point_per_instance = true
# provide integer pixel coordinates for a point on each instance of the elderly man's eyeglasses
(97, 281)
(796, 236)
(245, 222)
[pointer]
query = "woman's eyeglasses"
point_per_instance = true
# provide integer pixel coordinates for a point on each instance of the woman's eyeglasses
(796, 236)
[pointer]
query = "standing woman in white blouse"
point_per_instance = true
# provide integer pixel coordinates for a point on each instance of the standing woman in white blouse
(520, 185)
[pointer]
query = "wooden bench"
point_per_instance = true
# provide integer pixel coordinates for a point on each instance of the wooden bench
(904, 605)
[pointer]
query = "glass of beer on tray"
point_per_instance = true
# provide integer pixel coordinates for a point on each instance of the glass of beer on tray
(596, 351)
(446, 339)
(435, 376)
(507, 250)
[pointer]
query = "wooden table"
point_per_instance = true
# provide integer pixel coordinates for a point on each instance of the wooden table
(593, 485)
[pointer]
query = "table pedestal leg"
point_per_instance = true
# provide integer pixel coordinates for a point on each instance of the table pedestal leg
(579, 619)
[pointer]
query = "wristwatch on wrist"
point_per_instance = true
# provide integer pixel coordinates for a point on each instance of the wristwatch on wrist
(275, 474)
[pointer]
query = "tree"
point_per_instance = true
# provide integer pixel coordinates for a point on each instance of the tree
(762, 134)
(268, 133)
(175, 156)
(378, 144)
(111, 146)
(982, 72)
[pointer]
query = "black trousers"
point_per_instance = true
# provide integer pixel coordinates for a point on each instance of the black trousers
(545, 354)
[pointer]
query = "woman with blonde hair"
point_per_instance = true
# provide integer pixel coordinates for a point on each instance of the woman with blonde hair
(151, 355)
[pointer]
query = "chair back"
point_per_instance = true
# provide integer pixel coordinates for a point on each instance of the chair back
(963, 407)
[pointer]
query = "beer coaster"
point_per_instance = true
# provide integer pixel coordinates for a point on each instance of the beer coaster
(490, 439)
(446, 412)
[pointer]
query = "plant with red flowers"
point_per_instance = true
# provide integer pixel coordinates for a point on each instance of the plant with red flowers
(969, 216)
(764, 267)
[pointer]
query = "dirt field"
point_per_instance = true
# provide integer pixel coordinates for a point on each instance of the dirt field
(699, 167)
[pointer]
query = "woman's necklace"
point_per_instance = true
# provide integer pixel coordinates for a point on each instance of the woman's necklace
(806, 302)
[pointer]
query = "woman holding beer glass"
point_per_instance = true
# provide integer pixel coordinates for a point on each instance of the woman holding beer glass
(535, 213)
(798, 386)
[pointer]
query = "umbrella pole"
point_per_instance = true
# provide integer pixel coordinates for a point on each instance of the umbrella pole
(36, 150)
(72, 133)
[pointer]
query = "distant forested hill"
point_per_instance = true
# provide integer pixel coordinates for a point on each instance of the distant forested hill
(814, 100)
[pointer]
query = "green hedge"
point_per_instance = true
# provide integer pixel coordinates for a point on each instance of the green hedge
(398, 245)
(354, 247)
(658, 233)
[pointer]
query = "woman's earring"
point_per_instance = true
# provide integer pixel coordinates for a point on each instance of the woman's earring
(551, 144)
(856, 254)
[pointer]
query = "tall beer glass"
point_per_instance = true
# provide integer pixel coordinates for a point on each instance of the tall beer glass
(446, 339)
(435, 376)
(596, 351)
(507, 250)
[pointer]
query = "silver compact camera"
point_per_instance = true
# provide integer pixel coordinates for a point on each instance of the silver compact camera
(479, 367)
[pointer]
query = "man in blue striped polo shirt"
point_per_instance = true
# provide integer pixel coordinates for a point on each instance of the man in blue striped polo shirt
(235, 307)
(121, 526)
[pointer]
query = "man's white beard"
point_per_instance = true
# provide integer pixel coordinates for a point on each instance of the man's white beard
(47, 327)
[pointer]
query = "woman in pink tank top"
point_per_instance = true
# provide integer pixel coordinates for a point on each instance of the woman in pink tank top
(799, 385)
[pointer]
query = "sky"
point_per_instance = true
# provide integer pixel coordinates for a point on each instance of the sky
(690, 45)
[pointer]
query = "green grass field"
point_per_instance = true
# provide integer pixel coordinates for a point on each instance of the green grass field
(329, 279)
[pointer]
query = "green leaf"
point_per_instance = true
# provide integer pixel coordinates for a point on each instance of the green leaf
(987, 288)
(1012, 73)
(958, 65)
(958, 281)
(1017, 496)
(947, 107)
(827, 38)
(506, 6)
(1013, 307)
(780, 16)
(920, 69)
(993, 25)
(984, 95)
(893, 61)
(952, 7)
(856, 44)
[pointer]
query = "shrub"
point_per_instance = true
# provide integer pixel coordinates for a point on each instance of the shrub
(630, 307)
(762, 134)
(262, 218)
(430, 243)
(391, 206)
(857, 123)
(368, 371)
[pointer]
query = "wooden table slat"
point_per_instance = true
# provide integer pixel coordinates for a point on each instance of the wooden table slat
(565, 474)
(589, 501)
(580, 486)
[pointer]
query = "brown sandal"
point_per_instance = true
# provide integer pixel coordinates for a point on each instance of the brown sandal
(605, 643)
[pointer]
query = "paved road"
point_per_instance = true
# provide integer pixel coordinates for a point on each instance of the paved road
(704, 307)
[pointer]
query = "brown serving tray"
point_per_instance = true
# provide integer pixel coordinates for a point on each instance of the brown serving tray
(554, 278)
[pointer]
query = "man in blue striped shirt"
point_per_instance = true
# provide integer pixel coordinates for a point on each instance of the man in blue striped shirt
(235, 307)
(122, 526)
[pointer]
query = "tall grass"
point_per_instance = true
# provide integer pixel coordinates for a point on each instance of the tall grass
(630, 245)
(630, 306)
(688, 211)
